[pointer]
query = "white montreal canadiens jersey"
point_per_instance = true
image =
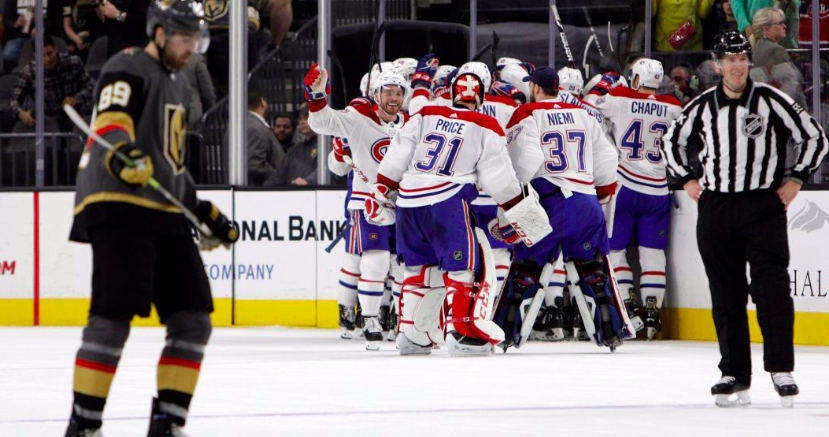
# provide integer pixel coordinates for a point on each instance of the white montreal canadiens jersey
(566, 97)
(498, 107)
(368, 137)
(561, 143)
(639, 121)
(441, 149)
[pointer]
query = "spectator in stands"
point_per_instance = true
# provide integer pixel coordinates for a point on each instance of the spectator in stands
(217, 15)
(744, 11)
(300, 164)
(18, 21)
(684, 83)
(201, 95)
(83, 23)
(772, 63)
(678, 24)
(721, 19)
(707, 75)
(265, 154)
(283, 130)
(126, 22)
(65, 82)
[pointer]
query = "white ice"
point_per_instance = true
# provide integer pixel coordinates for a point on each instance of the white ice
(306, 382)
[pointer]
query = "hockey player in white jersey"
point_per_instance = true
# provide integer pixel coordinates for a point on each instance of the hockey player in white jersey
(368, 130)
(435, 163)
(640, 117)
(562, 152)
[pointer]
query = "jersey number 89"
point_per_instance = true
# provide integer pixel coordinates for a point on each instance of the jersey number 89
(117, 93)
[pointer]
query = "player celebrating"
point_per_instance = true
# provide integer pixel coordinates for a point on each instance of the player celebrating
(142, 247)
(561, 151)
(435, 162)
(368, 129)
(640, 117)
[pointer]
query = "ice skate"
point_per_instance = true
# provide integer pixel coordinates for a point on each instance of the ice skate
(373, 332)
(358, 323)
(634, 311)
(653, 324)
(579, 332)
(74, 430)
(408, 347)
(383, 316)
(460, 346)
(347, 319)
(392, 335)
(785, 386)
(551, 326)
(163, 425)
(724, 391)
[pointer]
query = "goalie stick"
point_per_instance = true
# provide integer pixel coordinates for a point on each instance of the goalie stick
(81, 124)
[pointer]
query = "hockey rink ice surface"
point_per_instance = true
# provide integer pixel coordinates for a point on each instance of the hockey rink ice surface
(308, 382)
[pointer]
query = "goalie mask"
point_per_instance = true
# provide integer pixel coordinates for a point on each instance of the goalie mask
(468, 87)
(478, 69)
(649, 72)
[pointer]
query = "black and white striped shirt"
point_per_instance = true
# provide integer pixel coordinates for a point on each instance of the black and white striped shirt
(744, 140)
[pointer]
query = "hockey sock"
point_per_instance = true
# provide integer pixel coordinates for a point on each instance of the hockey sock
(97, 359)
(652, 279)
(374, 267)
(554, 288)
(349, 276)
(180, 363)
(623, 272)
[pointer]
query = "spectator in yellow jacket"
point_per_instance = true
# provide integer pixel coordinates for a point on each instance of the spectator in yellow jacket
(672, 14)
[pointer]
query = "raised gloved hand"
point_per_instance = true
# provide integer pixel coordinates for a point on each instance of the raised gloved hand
(136, 175)
(341, 148)
(224, 233)
(425, 71)
(379, 207)
(504, 89)
(316, 83)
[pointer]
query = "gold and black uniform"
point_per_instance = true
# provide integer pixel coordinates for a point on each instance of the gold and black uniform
(143, 250)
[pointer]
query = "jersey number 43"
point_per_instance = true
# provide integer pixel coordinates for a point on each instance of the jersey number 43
(633, 143)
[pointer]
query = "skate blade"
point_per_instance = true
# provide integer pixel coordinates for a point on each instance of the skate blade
(787, 401)
(471, 352)
(415, 350)
(554, 334)
(345, 334)
(725, 401)
(372, 345)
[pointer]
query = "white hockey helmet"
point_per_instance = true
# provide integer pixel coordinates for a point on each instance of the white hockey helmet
(406, 67)
(364, 85)
(478, 69)
(387, 79)
(506, 61)
(649, 71)
(514, 75)
(570, 80)
(442, 72)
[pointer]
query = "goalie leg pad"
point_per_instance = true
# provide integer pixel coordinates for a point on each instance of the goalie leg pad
(595, 284)
(420, 305)
(471, 307)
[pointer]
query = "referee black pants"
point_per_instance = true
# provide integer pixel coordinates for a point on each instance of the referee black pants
(732, 230)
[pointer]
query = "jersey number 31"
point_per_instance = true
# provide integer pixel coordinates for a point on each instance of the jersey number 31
(433, 155)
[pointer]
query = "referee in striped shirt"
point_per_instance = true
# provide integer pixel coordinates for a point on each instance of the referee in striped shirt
(743, 195)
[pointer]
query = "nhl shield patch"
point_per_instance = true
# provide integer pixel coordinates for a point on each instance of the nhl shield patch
(458, 255)
(754, 125)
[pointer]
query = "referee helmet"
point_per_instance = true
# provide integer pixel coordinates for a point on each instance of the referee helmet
(730, 43)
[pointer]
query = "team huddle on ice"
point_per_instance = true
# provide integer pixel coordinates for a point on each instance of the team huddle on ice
(492, 208)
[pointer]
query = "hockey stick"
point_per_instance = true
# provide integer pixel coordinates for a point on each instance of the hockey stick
(339, 66)
(430, 48)
(495, 41)
(81, 124)
(563, 37)
(340, 236)
(373, 57)
(598, 44)
(481, 53)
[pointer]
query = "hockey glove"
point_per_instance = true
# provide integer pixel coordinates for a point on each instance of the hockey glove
(224, 233)
(425, 71)
(379, 208)
(136, 174)
(501, 229)
(605, 193)
(340, 148)
(316, 83)
(506, 90)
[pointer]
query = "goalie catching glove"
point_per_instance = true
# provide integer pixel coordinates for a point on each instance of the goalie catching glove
(224, 233)
(526, 220)
(135, 175)
(380, 206)
(316, 83)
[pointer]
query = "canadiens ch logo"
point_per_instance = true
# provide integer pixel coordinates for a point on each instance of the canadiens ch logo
(379, 148)
(754, 125)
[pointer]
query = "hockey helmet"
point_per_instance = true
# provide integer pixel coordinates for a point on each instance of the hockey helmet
(570, 80)
(179, 16)
(649, 71)
(731, 42)
(506, 61)
(478, 69)
(406, 67)
(514, 75)
(442, 72)
(468, 87)
(387, 79)
(364, 85)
